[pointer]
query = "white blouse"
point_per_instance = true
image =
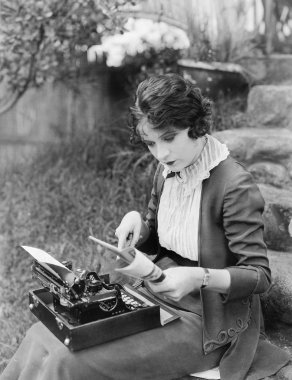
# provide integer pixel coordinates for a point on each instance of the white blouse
(178, 213)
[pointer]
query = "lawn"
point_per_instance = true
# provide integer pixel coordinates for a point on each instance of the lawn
(80, 187)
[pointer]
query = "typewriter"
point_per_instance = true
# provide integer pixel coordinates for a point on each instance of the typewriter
(83, 296)
(82, 308)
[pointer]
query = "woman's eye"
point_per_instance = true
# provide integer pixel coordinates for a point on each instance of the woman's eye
(149, 144)
(169, 138)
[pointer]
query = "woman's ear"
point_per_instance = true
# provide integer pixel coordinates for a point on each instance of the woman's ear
(191, 133)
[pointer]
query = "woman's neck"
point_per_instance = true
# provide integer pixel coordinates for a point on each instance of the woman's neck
(203, 141)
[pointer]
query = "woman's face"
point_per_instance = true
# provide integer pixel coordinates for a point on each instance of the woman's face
(172, 147)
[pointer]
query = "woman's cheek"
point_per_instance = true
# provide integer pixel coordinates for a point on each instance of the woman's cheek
(152, 150)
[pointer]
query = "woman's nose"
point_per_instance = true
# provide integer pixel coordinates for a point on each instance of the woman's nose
(162, 152)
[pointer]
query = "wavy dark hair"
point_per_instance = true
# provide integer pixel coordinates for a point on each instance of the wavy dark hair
(170, 100)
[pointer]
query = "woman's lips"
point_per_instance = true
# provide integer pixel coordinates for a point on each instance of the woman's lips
(169, 163)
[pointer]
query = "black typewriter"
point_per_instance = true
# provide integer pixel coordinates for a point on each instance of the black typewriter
(83, 296)
(82, 308)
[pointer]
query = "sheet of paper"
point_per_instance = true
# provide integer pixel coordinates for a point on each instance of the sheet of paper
(141, 267)
(52, 265)
(42, 256)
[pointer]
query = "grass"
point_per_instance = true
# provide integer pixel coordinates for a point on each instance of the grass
(83, 186)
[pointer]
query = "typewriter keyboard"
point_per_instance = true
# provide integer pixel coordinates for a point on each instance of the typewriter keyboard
(133, 302)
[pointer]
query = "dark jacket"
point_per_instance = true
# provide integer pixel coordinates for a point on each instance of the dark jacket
(231, 237)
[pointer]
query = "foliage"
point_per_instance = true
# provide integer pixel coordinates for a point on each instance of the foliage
(230, 113)
(279, 26)
(234, 41)
(139, 37)
(44, 39)
(202, 49)
(145, 48)
(152, 62)
(220, 33)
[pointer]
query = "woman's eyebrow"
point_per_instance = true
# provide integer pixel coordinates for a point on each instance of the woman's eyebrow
(146, 140)
(167, 133)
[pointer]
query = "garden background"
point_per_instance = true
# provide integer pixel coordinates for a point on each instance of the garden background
(67, 169)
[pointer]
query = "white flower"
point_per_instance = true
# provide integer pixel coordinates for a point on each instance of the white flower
(95, 53)
(142, 35)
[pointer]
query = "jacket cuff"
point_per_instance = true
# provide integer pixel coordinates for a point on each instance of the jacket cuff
(150, 245)
(244, 281)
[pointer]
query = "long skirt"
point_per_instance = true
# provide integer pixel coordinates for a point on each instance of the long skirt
(163, 353)
(167, 352)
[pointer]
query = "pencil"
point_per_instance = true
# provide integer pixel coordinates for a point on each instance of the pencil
(127, 254)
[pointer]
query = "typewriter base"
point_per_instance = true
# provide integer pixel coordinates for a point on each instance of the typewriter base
(92, 333)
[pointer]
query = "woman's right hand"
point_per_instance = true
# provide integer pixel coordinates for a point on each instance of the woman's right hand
(129, 230)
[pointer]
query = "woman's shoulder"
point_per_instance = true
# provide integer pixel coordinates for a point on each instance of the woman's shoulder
(230, 169)
(232, 179)
(229, 176)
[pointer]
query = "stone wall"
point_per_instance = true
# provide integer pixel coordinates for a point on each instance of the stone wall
(48, 114)
(272, 69)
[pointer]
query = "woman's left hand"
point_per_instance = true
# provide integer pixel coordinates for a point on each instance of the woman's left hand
(179, 282)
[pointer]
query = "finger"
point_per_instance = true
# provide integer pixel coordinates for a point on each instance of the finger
(121, 233)
(122, 242)
(161, 287)
(135, 236)
(170, 296)
(175, 299)
(165, 293)
(129, 240)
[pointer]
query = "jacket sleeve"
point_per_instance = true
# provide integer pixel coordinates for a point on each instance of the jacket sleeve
(243, 225)
(150, 246)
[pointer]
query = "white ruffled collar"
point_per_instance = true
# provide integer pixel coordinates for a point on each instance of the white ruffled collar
(213, 153)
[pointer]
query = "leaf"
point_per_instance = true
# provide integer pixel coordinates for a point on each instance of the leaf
(50, 28)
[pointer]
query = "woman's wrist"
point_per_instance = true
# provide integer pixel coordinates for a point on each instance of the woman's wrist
(217, 280)
(206, 278)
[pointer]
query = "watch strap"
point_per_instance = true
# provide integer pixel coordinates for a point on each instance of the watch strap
(206, 278)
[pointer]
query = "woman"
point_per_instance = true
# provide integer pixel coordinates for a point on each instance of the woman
(204, 222)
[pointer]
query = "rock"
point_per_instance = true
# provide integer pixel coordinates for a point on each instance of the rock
(269, 173)
(270, 106)
(256, 66)
(268, 69)
(277, 302)
(277, 217)
(285, 373)
(250, 145)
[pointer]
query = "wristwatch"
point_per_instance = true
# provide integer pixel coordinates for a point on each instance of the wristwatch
(206, 278)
